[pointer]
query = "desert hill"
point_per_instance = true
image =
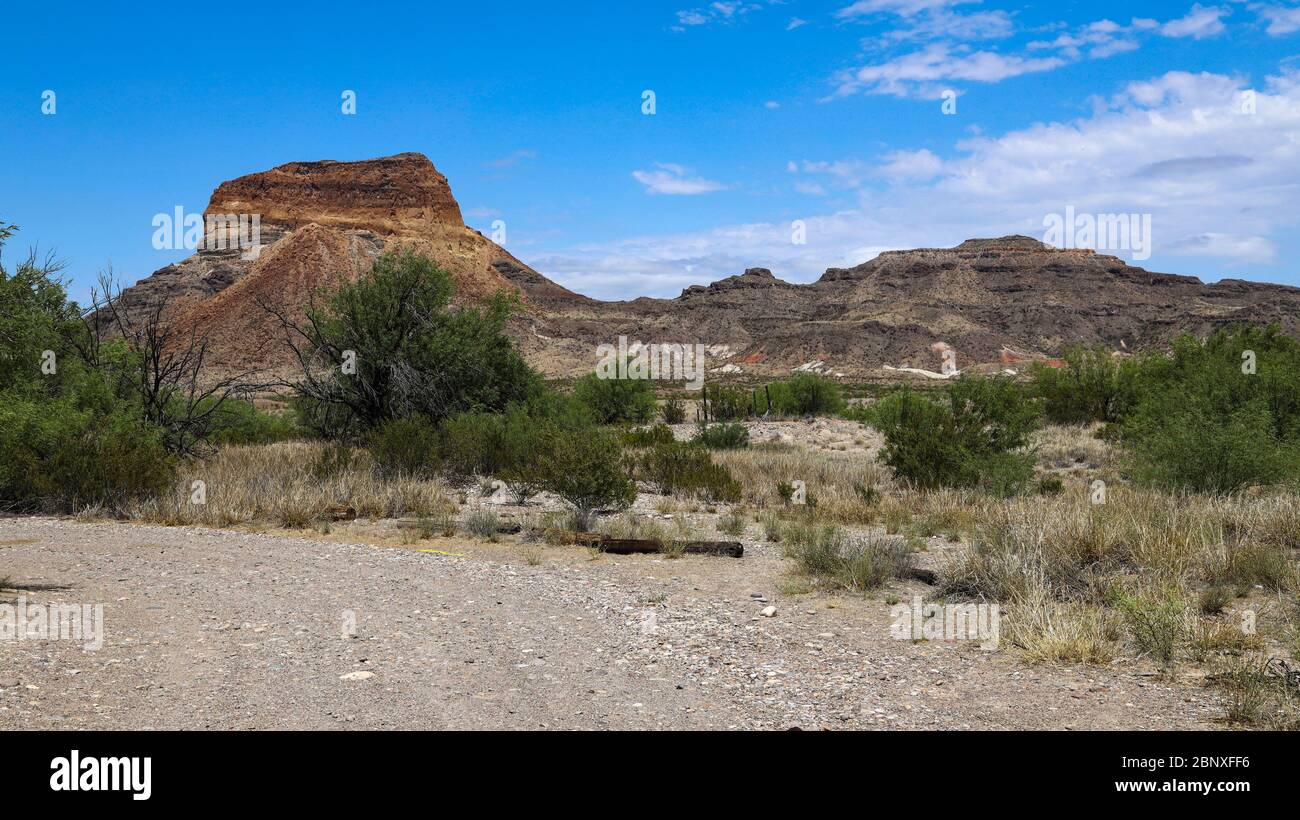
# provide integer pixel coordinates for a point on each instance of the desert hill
(992, 300)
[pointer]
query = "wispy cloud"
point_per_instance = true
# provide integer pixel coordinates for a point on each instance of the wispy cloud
(1199, 23)
(1281, 19)
(903, 8)
(924, 73)
(674, 180)
(951, 56)
(724, 11)
(513, 159)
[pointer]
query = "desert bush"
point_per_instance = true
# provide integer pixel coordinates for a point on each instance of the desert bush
(1206, 421)
(1214, 599)
(728, 403)
(409, 446)
(1049, 631)
(1050, 485)
(733, 523)
(1092, 386)
(237, 421)
(687, 469)
(1157, 620)
(57, 457)
(807, 394)
(827, 554)
(722, 436)
(482, 522)
(1260, 691)
(970, 439)
(673, 410)
(587, 469)
(391, 344)
(616, 401)
(332, 460)
(641, 437)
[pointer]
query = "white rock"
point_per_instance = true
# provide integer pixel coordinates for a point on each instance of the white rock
(768, 612)
(357, 676)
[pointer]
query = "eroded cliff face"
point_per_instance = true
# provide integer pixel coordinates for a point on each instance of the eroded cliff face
(323, 222)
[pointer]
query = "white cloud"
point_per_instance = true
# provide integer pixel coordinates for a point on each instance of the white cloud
(1256, 249)
(719, 12)
(1200, 22)
(924, 73)
(795, 23)
(1220, 186)
(846, 173)
(981, 25)
(950, 56)
(1281, 19)
(772, 104)
(673, 179)
(903, 8)
(901, 166)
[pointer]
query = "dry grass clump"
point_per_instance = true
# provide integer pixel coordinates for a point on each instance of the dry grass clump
(289, 484)
(837, 482)
(1150, 570)
(832, 558)
(1260, 691)
(1050, 631)
(1071, 446)
(1070, 542)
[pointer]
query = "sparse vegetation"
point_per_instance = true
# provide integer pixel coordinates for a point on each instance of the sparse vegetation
(686, 469)
(972, 437)
(722, 436)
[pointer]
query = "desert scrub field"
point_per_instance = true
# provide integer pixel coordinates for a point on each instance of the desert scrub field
(292, 485)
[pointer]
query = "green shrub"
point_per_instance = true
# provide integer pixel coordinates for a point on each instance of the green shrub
(1157, 620)
(616, 401)
(1050, 485)
(1203, 423)
(726, 403)
(733, 523)
(483, 523)
(472, 444)
(806, 394)
(681, 468)
(1186, 445)
(392, 344)
(527, 445)
(407, 447)
(333, 460)
(641, 437)
(237, 421)
(673, 410)
(969, 439)
(722, 436)
(56, 457)
(1092, 386)
(586, 469)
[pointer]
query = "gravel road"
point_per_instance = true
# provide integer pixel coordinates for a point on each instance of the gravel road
(212, 629)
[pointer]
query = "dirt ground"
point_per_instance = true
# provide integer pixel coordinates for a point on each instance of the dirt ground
(223, 629)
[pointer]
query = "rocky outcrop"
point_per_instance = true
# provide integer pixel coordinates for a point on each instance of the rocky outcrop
(324, 222)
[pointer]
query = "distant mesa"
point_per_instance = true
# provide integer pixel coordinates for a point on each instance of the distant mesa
(324, 222)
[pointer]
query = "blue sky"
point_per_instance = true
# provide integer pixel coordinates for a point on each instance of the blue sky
(766, 113)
